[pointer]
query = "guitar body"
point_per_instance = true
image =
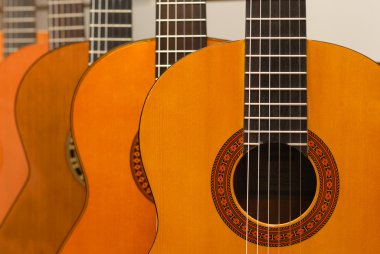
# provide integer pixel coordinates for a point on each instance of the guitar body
(120, 216)
(197, 105)
(52, 199)
(13, 162)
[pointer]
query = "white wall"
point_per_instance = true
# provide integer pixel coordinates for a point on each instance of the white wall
(350, 23)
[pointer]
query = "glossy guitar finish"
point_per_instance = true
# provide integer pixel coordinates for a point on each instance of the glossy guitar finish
(14, 165)
(114, 198)
(52, 199)
(183, 127)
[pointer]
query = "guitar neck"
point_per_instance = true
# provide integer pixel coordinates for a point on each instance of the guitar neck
(180, 30)
(110, 26)
(275, 86)
(66, 22)
(19, 24)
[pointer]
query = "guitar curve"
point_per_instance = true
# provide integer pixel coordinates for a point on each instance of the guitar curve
(190, 136)
(117, 98)
(14, 166)
(52, 199)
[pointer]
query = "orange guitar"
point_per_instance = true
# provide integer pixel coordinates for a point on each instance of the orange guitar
(19, 26)
(52, 198)
(111, 26)
(267, 148)
(120, 215)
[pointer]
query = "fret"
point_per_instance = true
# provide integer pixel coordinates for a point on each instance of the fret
(20, 40)
(276, 38)
(182, 36)
(110, 26)
(275, 132)
(175, 51)
(111, 39)
(276, 126)
(275, 111)
(65, 2)
(275, 118)
(66, 15)
(275, 81)
(290, 144)
(19, 20)
(11, 9)
(273, 72)
(276, 19)
(275, 89)
(63, 28)
(111, 11)
(184, 3)
(67, 40)
(19, 30)
(101, 52)
(180, 20)
(276, 56)
(276, 104)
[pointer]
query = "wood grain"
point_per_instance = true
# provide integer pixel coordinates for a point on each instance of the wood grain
(183, 127)
(13, 162)
(52, 199)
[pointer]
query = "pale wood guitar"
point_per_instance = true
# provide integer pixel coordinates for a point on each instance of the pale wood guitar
(267, 145)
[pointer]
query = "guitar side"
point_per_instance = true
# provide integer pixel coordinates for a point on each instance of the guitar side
(13, 163)
(52, 199)
(184, 126)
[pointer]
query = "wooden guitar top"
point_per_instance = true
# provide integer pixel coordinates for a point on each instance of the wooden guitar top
(197, 105)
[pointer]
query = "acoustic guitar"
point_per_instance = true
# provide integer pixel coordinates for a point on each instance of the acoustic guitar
(267, 145)
(120, 215)
(52, 198)
(111, 26)
(21, 49)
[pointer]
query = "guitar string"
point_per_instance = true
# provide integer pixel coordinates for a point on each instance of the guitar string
(167, 35)
(290, 123)
(279, 135)
(249, 26)
(300, 113)
(259, 132)
(106, 35)
(269, 114)
(175, 29)
(158, 39)
(92, 32)
(184, 26)
(99, 46)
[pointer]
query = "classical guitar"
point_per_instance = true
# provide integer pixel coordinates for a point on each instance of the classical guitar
(52, 198)
(120, 215)
(21, 50)
(111, 26)
(267, 146)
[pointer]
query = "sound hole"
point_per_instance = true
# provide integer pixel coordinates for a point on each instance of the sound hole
(282, 183)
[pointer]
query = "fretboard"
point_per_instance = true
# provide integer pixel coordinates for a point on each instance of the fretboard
(110, 26)
(66, 22)
(180, 30)
(275, 87)
(19, 24)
